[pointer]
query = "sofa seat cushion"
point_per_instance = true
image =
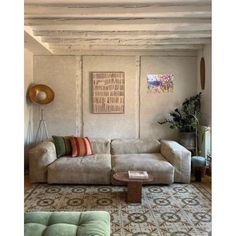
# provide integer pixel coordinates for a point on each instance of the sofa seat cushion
(67, 223)
(94, 169)
(154, 163)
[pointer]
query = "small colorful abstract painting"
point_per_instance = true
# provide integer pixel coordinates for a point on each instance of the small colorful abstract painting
(160, 83)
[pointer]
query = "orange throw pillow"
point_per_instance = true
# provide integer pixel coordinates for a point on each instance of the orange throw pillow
(81, 146)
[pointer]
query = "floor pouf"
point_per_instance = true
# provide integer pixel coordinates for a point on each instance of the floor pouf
(198, 164)
(67, 223)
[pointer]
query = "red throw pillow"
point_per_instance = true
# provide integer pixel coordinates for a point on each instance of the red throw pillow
(81, 146)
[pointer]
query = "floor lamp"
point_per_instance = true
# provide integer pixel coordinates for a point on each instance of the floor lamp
(41, 94)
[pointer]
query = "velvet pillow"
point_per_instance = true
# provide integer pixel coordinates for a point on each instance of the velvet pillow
(81, 146)
(63, 145)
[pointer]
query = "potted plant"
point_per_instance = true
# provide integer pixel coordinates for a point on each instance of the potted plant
(185, 119)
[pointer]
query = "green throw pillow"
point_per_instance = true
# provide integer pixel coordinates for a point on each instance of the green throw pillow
(63, 145)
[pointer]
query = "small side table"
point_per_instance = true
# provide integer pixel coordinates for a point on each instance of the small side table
(198, 164)
(208, 170)
(134, 186)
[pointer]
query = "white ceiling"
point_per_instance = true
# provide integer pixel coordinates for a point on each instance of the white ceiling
(88, 26)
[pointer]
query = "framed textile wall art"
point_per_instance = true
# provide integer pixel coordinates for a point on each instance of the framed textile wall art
(108, 95)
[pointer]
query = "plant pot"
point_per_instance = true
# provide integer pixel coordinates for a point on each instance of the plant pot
(188, 140)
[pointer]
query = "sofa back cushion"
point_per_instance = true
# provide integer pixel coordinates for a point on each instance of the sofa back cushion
(131, 146)
(100, 145)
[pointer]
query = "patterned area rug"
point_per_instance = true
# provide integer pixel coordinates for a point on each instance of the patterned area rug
(175, 210)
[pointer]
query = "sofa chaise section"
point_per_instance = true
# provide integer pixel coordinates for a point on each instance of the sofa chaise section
(154, 163)
(141, 154)
(167, 161)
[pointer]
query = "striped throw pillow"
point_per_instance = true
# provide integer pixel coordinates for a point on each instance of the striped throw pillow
(81, 146)
(63, 146)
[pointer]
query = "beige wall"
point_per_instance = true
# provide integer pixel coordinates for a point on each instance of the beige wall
(70, 113)
(206, 93)
(28, 113)
(154, 106)
(112, 125)
(59, 73)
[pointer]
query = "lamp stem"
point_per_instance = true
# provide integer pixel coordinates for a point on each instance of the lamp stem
(41, 113)
(41, 128)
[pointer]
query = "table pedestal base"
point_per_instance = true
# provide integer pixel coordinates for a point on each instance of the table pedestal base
(134, 192)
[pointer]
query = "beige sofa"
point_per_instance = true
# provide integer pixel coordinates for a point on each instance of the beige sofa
(167, 161)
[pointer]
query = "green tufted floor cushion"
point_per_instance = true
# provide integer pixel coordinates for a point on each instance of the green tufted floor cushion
(67, 223)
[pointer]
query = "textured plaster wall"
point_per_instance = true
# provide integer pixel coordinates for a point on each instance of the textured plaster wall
(206, 93)
(28, 114)
(111, 125)
(71, 112)
(155, 106)
(59, 73)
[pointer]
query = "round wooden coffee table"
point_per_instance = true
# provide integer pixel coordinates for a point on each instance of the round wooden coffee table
(134, 186)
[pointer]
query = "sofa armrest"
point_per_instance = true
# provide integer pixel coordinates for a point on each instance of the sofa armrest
(180, 158)
(39, 158)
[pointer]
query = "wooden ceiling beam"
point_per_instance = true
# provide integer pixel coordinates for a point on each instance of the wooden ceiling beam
(120, 25)
(126, 47)
(188, 53)
(115, 2)
(174, 27)
(103, 22)
(152, 11)
(68, 39)
(122, 34)
(72, 42)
